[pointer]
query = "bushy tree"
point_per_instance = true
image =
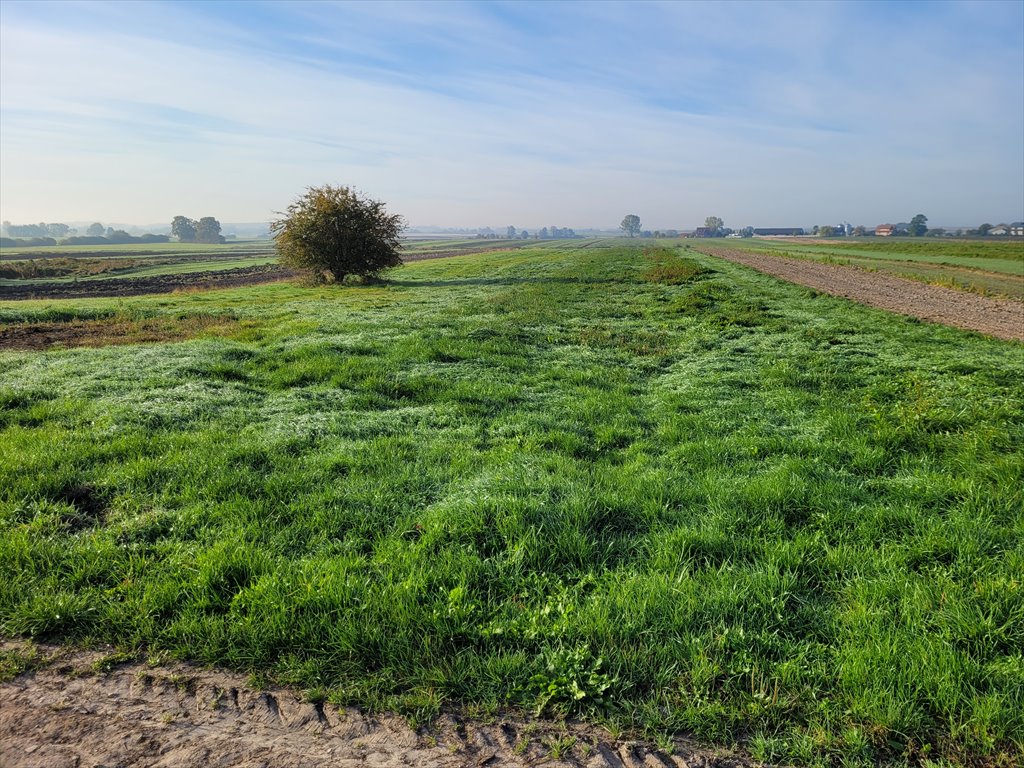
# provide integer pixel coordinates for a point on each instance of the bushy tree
(630, 225)
(95, 230)
(714, 225)
(184, 229)
(919, 225)
(335, 232)
(208, 230)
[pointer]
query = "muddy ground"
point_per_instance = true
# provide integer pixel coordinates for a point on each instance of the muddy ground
(103, 333)
(1002, 318)
(85, 709)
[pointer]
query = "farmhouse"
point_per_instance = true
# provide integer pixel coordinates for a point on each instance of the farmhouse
(884, 230)
(788, 231)
(1017, 229)
(999, 230)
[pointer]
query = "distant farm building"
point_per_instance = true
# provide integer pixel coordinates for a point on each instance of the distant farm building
(779, 231)
(1000, 230)
(884, 230)
(1017, 229)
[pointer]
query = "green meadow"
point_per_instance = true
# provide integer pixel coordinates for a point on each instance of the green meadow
(651, 489)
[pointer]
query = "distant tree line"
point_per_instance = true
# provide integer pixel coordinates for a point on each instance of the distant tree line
(27, 235)
(25, 242)
(916, 227)
(42, 229)
(186, 230)
(512, 233)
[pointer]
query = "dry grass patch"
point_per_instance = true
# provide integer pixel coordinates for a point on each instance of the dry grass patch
(109, 331)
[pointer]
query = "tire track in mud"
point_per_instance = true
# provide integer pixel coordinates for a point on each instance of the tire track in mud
(74, 708)
(1001, 318)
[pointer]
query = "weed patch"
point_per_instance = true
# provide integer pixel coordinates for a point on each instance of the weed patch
(670, 269)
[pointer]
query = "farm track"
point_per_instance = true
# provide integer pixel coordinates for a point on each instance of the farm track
(1001, 318)
(77, 710)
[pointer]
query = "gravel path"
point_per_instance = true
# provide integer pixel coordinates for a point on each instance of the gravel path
(76, 710)
(1002, 318)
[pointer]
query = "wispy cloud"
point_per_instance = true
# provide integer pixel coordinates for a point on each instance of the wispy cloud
(515, 112)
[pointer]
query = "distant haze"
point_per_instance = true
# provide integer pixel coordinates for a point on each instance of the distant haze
(530, 114)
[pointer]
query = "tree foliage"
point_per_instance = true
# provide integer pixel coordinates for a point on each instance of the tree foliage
(184, 229)
(208, 230)
(40, 230)
(630, 225)
(713, 224)
(919, 225)
(333, 231)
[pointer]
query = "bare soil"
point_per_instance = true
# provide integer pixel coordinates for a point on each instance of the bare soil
(85, 709)
(1001, 318)
(101, 333)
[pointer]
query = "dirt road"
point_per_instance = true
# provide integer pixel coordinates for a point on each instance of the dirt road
(82, 710)
(1002, 318)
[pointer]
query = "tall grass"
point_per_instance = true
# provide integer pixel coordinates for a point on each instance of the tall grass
(654, 490)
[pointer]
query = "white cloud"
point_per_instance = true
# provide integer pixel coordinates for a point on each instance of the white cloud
(109, 124)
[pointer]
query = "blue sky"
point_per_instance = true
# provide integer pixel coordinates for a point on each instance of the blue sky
(532, 114)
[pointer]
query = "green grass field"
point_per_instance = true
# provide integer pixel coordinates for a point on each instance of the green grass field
(651, 490)
(982, 266)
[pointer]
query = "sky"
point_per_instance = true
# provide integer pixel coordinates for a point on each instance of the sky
(531, 114)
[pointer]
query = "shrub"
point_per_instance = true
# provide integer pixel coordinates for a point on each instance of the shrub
(332, 232)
